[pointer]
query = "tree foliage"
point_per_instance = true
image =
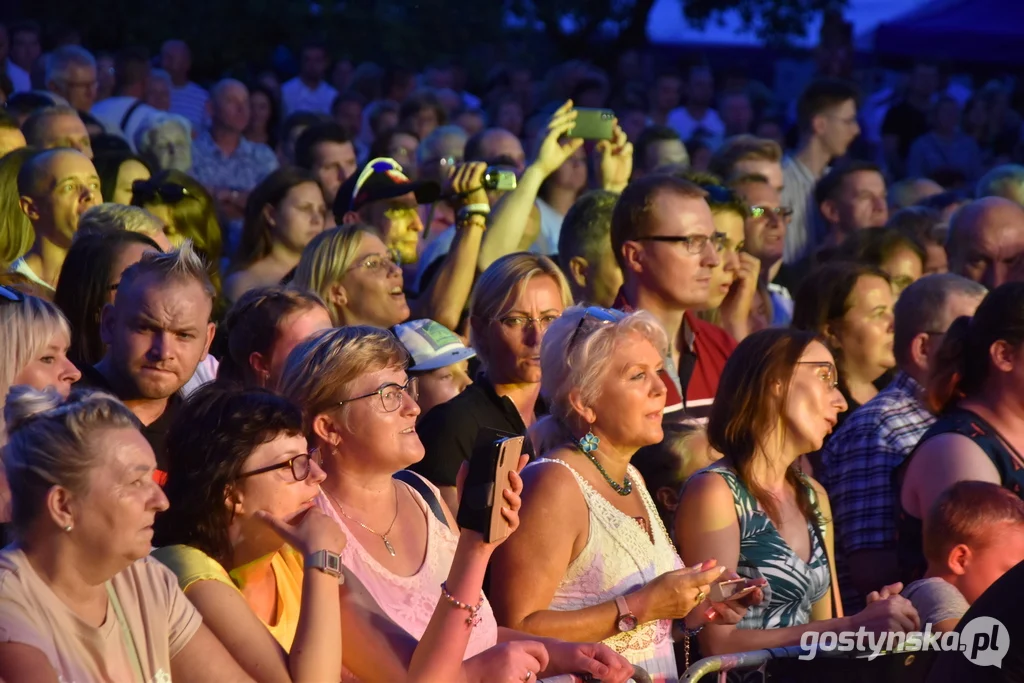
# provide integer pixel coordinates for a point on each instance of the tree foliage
(774, 21)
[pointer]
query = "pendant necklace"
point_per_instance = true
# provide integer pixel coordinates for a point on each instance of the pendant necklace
(383, 536)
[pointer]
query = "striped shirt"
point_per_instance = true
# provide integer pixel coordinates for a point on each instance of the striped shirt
(798, 194)
(857, 469)
(190, 101)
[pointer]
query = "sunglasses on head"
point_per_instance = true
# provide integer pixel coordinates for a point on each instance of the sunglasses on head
(10, 295)
(169, 193)
(595, 314)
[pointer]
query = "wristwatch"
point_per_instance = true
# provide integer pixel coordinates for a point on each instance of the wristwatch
(327, 562)
(627, 620)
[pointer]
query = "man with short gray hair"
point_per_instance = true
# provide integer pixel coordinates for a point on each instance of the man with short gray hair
(858, 461)
(1006, 181)
(110, 217)
(71, 73)
(157, 332)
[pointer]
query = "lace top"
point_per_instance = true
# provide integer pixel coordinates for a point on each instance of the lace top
(409, 601)
(618, 559)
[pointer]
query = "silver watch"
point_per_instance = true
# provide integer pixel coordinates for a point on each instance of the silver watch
(327, 562)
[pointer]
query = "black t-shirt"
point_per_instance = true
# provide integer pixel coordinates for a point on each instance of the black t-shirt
(155, 432)
(1004, 601)
(906, 122)
(449, 431)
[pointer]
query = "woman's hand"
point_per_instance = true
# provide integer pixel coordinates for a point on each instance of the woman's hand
(884, 615)
(735, 308)
(729, 612)
(309, 531)
(885, 592)
(614, 161)
(675, 594)
(553, 152)
(596, 659)
(514, 661)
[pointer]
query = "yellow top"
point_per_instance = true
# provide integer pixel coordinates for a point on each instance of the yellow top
(191, 564)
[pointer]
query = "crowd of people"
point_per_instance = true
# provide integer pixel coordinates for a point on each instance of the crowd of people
(253, 335)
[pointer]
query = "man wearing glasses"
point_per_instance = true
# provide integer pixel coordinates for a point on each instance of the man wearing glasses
(665, 242)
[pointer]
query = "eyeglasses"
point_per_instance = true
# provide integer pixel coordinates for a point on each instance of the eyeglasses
(377, 262)
(169, 193)
(603, 316)
(695, 244)
(391, 394)
(519, 322)
(299, 464)
(831, 376)
(780, 212)
(10, 295)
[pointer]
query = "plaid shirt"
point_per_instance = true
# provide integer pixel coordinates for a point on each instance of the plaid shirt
(857, 467)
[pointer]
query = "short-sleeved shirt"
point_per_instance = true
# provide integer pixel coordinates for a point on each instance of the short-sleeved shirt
(159, 617)
(935, 600)
(798, 194)
(249, 164)
(450, 430)
(155, 432)
(297, 96)
(190, 565)
(190, 101)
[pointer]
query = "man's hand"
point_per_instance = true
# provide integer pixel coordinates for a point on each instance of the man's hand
(614, 161)
(465, 184)
(231, 202)
(553, 152)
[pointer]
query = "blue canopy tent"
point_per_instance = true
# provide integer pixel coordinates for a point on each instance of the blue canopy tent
(959, 30)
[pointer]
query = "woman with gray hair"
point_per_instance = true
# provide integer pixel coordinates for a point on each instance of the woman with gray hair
(607, 570)
(81, 601)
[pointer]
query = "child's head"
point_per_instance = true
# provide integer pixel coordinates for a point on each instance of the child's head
(666, 466)
(974, 533)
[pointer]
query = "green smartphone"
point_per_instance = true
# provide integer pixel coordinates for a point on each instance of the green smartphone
(593, 124)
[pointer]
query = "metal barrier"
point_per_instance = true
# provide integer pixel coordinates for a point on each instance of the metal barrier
(906, 661)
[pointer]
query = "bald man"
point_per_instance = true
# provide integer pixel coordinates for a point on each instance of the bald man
(187, 98)
(55, 187)
(986, 241)
(222, 159)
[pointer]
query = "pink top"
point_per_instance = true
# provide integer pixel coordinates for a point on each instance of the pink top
(409, 601)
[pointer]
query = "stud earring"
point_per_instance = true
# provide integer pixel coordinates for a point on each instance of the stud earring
(68, 528)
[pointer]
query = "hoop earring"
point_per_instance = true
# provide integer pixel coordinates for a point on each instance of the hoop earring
(589, 442)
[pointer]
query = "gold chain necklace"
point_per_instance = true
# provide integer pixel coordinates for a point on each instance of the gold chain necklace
(383, 536)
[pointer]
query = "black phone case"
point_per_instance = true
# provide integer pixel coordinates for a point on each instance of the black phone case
(478, 492)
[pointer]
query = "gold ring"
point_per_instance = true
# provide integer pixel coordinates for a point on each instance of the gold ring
(700, 597)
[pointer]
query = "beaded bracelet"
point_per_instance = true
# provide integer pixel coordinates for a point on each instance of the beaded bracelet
(474, 610)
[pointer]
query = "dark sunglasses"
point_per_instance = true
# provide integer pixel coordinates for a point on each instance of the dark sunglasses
(10, 295)
(602, 316)
(169, 193)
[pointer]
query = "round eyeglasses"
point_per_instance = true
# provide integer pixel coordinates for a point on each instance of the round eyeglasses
(300, 465)
(391, 394)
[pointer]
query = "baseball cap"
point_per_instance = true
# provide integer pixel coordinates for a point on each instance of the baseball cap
(381, 178)
(431, 344)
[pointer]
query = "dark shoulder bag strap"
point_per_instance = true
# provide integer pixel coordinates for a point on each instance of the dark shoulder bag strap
(128, 114)
(421, 488)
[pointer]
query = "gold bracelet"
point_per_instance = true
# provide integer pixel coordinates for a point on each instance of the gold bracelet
(474, 610)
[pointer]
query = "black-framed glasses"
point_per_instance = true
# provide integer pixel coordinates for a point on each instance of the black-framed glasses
(301, 465)
(10, 295)
(831, 376)
(780, 212)
(169, 193)
(602, 316)
(695, 244)
(391, 394)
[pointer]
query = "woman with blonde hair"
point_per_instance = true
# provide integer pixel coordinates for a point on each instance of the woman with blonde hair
(607, 570)
(512, 305)
(17, 235)
(360, 411)
(81, 599)
(351, 269)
